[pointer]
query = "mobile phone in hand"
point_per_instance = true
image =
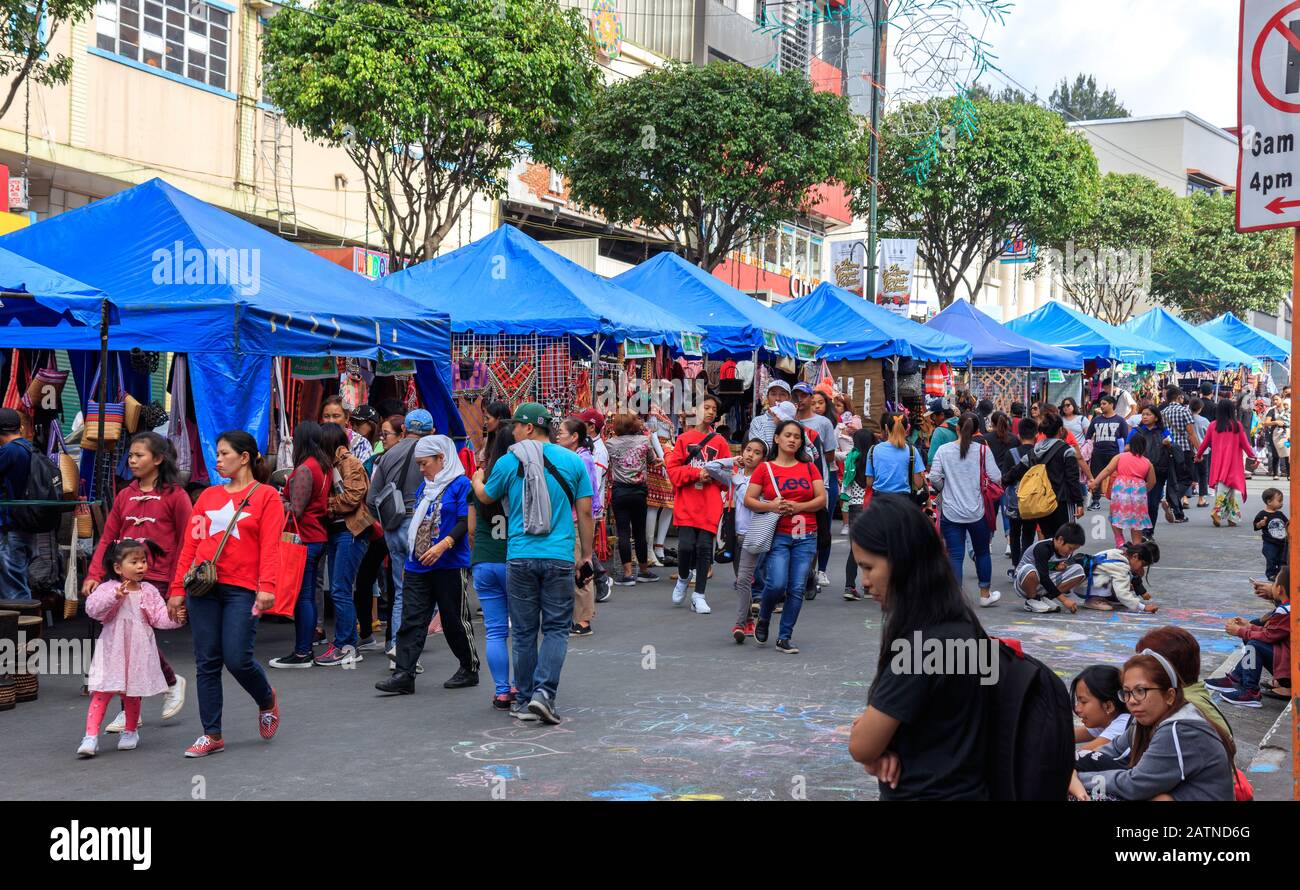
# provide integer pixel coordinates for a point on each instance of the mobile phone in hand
(586, 573)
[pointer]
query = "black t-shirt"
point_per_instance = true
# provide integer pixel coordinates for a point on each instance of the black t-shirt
(941, 740)
(1104, 431)
(1275, 529)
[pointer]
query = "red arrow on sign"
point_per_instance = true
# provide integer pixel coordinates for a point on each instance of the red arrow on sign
(1280, 205)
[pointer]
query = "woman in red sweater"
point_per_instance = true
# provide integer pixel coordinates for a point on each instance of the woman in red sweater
(245, 513)
(154, 507)
(697, 502)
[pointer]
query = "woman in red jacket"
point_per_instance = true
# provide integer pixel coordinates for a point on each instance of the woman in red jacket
(247, 516)
(697, 502)
(154, 507)
(1229, 449)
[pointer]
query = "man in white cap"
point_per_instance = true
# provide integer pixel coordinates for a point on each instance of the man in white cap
(763, 426)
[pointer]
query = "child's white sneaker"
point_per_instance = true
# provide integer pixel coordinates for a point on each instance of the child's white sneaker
(119, 723)
(679, 591)
(89, 747)
(699, 604)
(128, 741)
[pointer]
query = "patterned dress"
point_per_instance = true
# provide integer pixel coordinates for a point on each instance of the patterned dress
(1128, 493)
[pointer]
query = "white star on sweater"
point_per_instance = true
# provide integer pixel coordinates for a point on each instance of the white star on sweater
(224, 519)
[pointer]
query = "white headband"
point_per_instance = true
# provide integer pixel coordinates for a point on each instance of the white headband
(1164, 662)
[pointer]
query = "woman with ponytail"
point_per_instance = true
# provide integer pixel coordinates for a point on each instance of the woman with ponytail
(957, 473)
(245, 514)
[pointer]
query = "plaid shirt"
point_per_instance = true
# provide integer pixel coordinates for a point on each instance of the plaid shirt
(1177, 417)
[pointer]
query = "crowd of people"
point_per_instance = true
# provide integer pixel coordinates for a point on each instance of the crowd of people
(395, 518)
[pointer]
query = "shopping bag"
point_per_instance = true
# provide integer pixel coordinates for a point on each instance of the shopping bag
(293, 563)
(114, 414)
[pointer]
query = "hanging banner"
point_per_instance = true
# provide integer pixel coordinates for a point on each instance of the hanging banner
(769, 341)
(395, 367)
(636, 349)
(691, 343)
(1018, 250)
(847, 261)
(897, 264)
(806, 351)
(314, 368)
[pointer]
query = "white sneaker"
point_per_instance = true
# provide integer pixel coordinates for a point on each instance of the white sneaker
(128, 741)
(1040, 605)
(993, 597)
(392, 651)
(699, 604)
(822, 580)
(679, 591)
(89, 747)
(653, 561)
(174, 700)
(118, 724)
(1007, 552)
(844, 529)
(392, 666)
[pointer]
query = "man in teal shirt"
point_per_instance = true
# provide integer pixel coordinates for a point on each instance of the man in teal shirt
(540, 553)
(945, 426)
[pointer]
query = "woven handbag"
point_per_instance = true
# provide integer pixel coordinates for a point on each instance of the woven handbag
(69, 472)
(113, 413)
(762, 526)
(46, 387)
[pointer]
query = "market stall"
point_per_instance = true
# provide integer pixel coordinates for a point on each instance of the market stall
(1194, 349)
(743, 337)
(875, 356)
(191, 278)
(531, 325)
(1004, 365)
(1249, 339)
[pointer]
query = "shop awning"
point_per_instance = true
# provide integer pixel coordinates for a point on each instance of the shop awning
(1092, 338)
(855, 328)
(1249, 339)
(997, 346)
(735, 323)
(1194, 349)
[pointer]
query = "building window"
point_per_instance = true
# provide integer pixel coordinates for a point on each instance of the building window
(186, 38)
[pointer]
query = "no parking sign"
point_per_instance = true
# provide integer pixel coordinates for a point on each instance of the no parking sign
(1268, 115)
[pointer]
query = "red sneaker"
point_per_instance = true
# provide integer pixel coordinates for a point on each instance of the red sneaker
(749, 628)
(205, 745)
(268, 721)
(738, 633)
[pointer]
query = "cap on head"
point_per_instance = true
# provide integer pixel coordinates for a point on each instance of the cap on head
(804, 388)
(10, 422)
(779, 384)
(939, 406)
(419, 421)
(533, 413)
(593, 417)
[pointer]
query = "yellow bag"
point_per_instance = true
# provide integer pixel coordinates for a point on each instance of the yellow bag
(1035, 493)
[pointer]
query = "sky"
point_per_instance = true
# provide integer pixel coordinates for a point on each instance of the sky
(1160, 56)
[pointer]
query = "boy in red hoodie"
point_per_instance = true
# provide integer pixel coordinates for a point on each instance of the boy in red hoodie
(697, 501)
(1268, 644)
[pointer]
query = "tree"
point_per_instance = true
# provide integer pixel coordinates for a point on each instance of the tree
(1021, 173)
(1084, 102)
(25, 42)
(980, 92)
(433, 100)
(1212, 268)
(711, 157)
(1106, 268)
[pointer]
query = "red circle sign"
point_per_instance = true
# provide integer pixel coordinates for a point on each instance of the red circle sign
(1273, 24)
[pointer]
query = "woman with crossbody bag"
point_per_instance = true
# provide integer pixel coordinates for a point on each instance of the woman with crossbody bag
(961, 473)
(225, 577)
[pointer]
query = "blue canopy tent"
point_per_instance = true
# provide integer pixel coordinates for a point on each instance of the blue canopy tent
(997, 346)
(1249, 339)
(32, 295)
(1194, 350)
(509, 283)
(1093, 339)
(855, 328)
(734, 322)
(189, 277)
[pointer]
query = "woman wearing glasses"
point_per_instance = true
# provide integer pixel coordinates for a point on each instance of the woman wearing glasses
(1174, 753)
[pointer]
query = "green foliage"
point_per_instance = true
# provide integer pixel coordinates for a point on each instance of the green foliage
(25, 42)
(713, 156)
(433, 99)
(1212, 268)
(1084, 102)
(1106, 267)
(1022, 173)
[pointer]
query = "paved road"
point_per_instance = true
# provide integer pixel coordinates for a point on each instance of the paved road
(659, 703)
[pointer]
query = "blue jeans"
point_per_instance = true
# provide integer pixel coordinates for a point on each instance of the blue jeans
(954, 536)
(344, 552)
(15, 560)
(490, 580)
(541, 600)
(787, 572)
(304, 612)
(1248, 677)
(223, 628)
(397, 552)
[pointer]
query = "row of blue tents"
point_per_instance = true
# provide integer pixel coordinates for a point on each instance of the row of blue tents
(183, 276)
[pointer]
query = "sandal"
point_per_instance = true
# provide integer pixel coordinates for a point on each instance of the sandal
(1214, 517)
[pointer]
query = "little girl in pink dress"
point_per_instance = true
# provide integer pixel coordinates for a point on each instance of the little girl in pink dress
(126, 654)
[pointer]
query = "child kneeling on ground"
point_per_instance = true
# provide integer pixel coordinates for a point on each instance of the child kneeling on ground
(1118, 578)
(1048, 571)
(1268, 644)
